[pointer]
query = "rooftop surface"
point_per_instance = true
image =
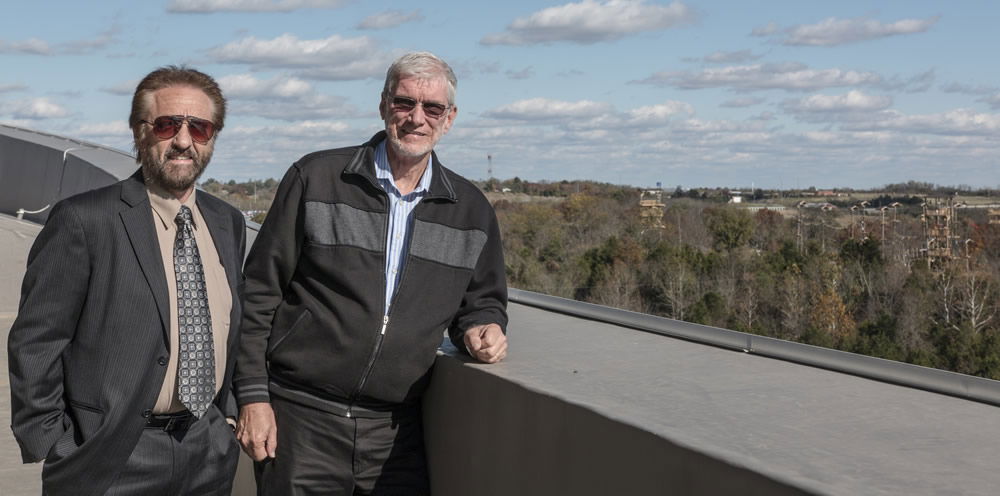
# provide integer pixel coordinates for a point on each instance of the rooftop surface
(16, 237)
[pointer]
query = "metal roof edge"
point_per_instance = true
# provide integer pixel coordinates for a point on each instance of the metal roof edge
(903, 374)
(83, 144)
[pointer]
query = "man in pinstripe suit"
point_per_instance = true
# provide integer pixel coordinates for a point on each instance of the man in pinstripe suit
(120, 357)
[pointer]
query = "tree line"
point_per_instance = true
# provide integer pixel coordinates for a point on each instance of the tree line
(849, 278)
(841, 279)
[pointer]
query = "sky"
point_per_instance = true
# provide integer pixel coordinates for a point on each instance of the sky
(772, 94)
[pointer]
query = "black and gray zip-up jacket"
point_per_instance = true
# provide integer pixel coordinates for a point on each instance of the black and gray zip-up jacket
(314, 329)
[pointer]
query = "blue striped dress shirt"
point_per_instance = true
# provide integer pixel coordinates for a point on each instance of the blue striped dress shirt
(397, 242)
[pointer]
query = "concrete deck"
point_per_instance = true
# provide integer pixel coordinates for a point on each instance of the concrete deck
(16, 237)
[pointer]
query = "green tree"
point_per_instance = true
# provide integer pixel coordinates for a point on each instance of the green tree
(730, 228)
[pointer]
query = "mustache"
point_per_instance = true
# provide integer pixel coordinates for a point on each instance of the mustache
(175, 154)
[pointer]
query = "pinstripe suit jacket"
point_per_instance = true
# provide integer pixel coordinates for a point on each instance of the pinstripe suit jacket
(88, 349)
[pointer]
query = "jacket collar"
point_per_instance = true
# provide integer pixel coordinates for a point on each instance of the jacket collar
(363, 164)
(134, 193)
(134, 189)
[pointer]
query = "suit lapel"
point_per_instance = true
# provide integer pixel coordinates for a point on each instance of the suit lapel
(219, 226)
(138, 221)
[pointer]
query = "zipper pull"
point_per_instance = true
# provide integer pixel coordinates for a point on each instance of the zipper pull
(385, 323)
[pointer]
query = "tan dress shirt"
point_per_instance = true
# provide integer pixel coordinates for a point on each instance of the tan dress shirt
(220, 300)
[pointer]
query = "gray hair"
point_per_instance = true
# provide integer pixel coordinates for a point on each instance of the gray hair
(421, 65)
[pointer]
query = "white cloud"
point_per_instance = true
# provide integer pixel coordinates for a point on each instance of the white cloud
(852, 101)
(247, 86)
(373, 67)
(83, 47)
(33, 46)
(333, 58)
(389, 19)
(243, 152)
(7, 88)
(35, 108)
(21, 123)
(958, 122)
(913, 84)
(304, 129)
(992, 100)
(525, 73)
(115, 134)
(788, 76)
(699, 126)
(834, 31)
(968, 89)
(742, 102)
(591, 21)
(210, 6)
(312, 107)
(721, 57)
(542, 109)
(768, 30)
(282, 97)
(860, 143)
(124, 88)
(660, 113)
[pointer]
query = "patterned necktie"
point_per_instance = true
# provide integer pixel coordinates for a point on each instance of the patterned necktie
(196, 362)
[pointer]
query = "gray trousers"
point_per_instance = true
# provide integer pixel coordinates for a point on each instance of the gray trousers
(320, 453)
(200, 460)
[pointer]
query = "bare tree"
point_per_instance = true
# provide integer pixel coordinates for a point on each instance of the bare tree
(974, 303)
(747, 301)
(794, 305)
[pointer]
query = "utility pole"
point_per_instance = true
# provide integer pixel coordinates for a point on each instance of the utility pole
(489, 171)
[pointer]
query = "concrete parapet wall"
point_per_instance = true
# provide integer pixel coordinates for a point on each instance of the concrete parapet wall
(490, 436)
(38, 169)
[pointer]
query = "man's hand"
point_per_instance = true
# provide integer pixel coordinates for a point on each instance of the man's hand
(487, 343)
(257, 431)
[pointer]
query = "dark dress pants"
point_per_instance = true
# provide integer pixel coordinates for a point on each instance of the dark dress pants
(200, 460)
(320, 453)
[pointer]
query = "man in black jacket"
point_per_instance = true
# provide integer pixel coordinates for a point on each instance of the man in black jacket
(367, 255)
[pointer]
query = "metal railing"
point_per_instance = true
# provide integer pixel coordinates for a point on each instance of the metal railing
(20, 212)
(904, 374)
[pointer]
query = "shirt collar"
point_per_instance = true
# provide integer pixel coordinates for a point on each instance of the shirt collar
(383, 171)
(166, 206)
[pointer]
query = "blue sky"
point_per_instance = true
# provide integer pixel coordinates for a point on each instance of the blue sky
(691, 93)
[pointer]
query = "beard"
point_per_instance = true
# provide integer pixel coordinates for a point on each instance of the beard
(169, 176)
(410, 151)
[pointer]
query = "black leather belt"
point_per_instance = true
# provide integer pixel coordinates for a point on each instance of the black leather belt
(171, 421)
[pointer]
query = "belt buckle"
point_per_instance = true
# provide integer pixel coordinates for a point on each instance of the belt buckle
(170, 424)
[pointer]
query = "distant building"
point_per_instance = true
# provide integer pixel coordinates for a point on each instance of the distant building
(651, 208)
(825, 206)
(758, 208)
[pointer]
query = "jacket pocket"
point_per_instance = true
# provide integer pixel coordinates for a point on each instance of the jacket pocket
(86, 418)
(275, 343)
(80, 421)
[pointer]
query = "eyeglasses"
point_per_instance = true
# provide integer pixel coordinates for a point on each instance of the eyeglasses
(406, 105)
(167, 126)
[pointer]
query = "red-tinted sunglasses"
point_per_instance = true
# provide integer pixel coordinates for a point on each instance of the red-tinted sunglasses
(167, 126)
